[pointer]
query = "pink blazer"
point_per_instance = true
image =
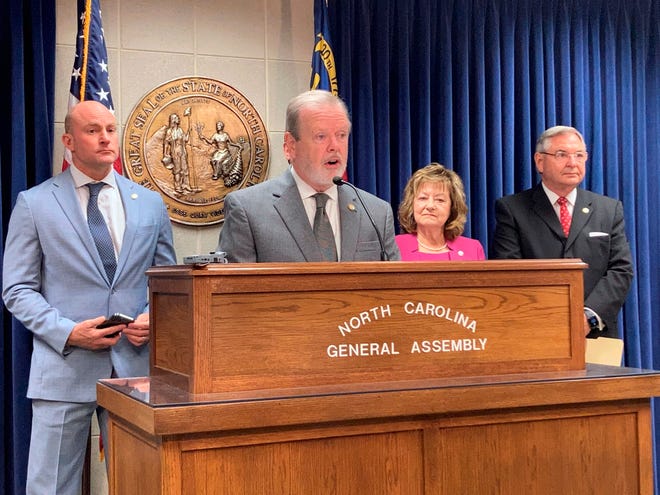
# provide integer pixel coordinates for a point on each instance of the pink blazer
(460, 249)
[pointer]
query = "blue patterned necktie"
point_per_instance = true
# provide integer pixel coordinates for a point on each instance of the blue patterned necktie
(100, 232)
(323, 229)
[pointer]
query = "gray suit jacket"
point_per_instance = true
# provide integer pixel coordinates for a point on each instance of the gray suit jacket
(53, 278)
(267, 223)
(528, 227)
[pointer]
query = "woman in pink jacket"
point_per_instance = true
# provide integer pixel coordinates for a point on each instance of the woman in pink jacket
(432, 215)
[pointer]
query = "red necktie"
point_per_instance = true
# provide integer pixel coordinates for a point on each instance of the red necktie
(564, 215)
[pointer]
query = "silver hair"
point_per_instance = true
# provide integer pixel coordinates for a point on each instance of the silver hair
(541, 142)
(310, 99)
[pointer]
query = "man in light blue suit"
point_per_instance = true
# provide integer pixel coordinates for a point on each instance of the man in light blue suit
(55, 283)
(276, 221)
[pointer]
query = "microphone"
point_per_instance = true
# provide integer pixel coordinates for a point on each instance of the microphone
(341, 182)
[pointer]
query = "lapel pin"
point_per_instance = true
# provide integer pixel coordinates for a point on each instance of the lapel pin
(460, 253)
(134, 196)
(585, 210)
(351, 207)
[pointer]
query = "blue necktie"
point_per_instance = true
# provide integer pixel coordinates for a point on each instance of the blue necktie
(323, 229)
(100, 232)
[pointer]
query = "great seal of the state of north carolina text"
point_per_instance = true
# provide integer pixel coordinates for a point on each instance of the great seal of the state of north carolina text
(194, 140)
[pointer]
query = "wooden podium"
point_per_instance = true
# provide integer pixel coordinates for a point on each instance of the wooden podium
(248, 327)
(354, 378)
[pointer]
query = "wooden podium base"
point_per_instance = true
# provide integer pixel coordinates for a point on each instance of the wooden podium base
(560, 432)
(376, 379)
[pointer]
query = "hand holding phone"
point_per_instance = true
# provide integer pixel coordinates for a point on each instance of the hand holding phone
(115, 319)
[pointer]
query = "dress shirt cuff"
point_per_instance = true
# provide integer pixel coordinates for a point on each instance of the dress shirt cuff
(596, 324)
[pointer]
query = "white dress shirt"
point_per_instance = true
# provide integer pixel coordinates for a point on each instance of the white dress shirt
(307, 193)
(109, 201)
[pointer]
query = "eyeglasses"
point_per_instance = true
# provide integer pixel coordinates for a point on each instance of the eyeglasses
(561, 155)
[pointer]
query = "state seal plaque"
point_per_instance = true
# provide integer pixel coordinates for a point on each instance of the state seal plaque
(194, 140)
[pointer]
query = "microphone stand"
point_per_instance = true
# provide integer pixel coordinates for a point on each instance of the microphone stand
(341, 182)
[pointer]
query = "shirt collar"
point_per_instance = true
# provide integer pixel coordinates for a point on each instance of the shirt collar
(80, 179)
(307, 191)
(571, 197)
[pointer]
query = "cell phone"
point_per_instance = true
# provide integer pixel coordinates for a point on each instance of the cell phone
(116, 319)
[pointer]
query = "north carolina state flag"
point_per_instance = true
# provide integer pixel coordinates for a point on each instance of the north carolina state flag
(324, 70)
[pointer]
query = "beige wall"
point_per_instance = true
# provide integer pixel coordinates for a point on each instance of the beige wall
(260, 47)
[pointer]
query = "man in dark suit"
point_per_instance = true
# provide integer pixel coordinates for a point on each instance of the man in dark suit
(275, 221)
(61, 281)
(555, 219)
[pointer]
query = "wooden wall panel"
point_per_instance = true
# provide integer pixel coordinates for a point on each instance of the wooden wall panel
(555, 455)
(389, 463)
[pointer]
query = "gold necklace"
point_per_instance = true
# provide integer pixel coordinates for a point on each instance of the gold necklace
(441, 248)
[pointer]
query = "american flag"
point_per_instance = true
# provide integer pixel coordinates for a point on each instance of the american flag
(90, 79)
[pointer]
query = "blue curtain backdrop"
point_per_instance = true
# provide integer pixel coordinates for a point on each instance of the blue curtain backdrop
(27, 70)
(472, 83)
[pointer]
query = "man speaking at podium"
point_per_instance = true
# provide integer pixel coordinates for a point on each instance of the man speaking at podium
(302, 215)
(555, 219)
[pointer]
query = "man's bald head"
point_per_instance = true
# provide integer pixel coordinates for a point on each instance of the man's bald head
(92, 137)
(83, 106)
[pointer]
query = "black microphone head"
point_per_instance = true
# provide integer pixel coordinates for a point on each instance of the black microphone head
(338, 180)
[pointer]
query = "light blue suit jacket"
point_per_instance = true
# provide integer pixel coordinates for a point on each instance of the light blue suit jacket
(267, 223)
(53, 278)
